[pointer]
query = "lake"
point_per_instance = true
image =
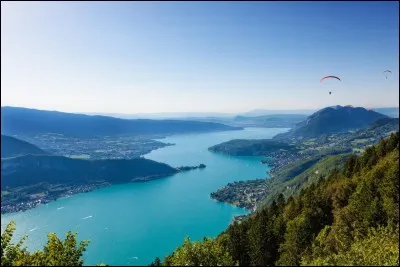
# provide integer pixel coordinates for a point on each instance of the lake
(131, 224)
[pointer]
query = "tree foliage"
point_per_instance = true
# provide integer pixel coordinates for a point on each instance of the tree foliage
(56, 252)
(349, 218)
(206, 253)
(379, 248)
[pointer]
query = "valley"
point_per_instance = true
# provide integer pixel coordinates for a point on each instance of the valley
(247, 169)
(136, 214)
(237, 133)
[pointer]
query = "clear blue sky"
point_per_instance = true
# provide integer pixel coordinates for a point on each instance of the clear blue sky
(139, 57)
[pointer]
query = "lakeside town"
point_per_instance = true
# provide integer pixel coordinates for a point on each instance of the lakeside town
(243, 194)
(247, 194)
(53, 192)
(94, 148)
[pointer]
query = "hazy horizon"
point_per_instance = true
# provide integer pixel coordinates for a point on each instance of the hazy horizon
(252, 112)
(198, 57)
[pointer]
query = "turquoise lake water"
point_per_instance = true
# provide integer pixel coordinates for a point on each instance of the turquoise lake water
(131, 224)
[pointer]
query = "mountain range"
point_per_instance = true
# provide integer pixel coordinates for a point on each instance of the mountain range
(254, 118)
(15, 120)
(334, 119)
(267, 121)
(388, 111)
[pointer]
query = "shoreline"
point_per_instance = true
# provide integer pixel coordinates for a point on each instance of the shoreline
(242, 194)
(249, 208)
(73, 190)
(31, 204)
(256, 195)
(70, 190)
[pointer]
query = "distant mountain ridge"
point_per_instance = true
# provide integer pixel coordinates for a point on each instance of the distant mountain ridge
(13, 147)
(272, 121)
(201, 115)
(384, 122)
(15, 120)
(264, 112)
(267, 121)
(388, 111)
(391, 112)
(334, 119)
(162, 115)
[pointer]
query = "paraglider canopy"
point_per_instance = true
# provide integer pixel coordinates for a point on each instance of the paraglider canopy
(330, 77)
(327, 77)
(386, 72)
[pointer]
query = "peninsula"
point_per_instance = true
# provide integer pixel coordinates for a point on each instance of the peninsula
(30, 180)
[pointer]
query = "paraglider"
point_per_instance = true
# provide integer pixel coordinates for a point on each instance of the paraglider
(386, 72)
(330, 77)
(326, 77)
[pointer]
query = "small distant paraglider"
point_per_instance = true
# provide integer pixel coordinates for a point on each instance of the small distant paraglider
(330, 77)
(386, 73)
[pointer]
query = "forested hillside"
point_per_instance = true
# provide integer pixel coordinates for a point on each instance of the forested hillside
(331, 120)
(13, 147)
(257, 147)
(350, 217)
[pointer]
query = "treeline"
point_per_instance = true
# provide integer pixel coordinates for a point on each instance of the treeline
(349, 218)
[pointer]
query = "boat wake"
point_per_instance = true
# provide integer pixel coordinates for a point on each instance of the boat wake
(60, 208)
(33, 229)
(87, 217)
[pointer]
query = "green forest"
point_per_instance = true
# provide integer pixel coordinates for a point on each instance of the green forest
(349, 217)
